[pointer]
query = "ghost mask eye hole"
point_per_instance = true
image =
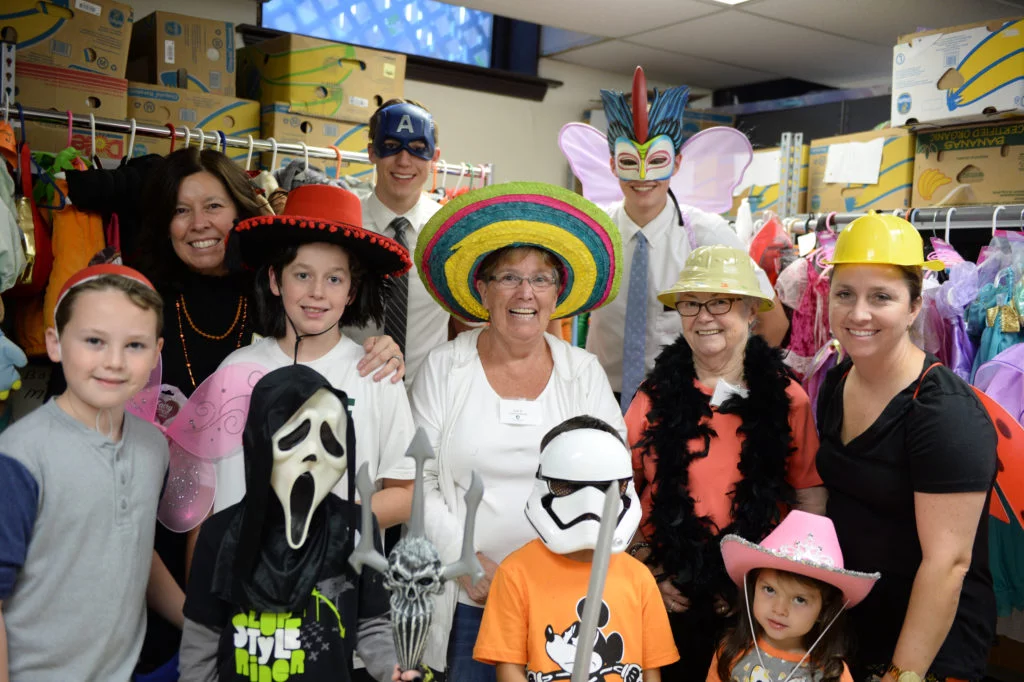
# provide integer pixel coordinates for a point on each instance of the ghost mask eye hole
(294, 437)
(426, 582)
(331, 444)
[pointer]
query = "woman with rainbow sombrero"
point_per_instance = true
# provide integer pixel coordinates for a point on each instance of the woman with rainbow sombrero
(514, 256)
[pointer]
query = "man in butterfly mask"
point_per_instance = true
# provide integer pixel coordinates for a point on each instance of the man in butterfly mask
(663, 214)
(271, 592)
(403, 144)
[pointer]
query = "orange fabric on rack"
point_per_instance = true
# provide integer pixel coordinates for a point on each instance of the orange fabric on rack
(77, 237)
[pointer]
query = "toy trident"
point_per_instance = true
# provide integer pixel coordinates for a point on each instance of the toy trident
(413, 572)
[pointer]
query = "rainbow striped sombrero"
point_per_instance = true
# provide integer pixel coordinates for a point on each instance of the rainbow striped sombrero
(455, 241)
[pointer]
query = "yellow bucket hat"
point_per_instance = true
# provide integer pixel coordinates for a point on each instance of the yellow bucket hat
(882, 239)
(718, 269)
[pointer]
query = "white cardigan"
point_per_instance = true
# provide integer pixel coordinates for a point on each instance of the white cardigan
(438, 397)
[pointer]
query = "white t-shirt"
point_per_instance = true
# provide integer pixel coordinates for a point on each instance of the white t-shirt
(427, 322)
(380, 412)
(667, 249)
(454, 403)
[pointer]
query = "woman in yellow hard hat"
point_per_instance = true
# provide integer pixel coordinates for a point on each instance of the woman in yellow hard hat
(908, 455)
(721, 436)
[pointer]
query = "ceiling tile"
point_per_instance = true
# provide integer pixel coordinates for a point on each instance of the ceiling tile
(755, 42)
(882, 21)
(622, 57)
(609, 18)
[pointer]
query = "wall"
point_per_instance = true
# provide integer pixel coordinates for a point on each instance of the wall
(519, 137)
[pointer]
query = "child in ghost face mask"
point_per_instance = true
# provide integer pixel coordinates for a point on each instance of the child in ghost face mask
(271, 594)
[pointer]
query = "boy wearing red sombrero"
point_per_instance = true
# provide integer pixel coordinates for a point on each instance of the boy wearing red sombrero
(317, 270)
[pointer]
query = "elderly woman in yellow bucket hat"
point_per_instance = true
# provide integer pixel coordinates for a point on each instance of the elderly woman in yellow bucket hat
(721, 435)
(908, 456)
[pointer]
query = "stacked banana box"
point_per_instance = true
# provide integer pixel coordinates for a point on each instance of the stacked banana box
(962, 90)
(319, 93)
(71, 56)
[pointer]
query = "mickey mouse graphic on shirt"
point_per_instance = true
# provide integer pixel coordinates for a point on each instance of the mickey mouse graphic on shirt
(606, 659)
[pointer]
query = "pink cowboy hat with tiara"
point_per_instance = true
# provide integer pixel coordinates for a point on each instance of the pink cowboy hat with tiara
(805, 544)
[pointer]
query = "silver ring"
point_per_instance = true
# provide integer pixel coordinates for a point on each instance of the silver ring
(395, 357)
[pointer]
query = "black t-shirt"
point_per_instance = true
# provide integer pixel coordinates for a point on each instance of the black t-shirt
(942, 441)
(312, 644)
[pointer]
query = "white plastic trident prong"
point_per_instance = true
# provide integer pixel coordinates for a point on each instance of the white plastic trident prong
(420, 451)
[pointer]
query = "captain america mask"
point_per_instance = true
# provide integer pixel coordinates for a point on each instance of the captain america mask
(404, 127)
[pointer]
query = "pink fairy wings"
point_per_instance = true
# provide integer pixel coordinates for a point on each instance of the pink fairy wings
(713, 164)
(207, 427)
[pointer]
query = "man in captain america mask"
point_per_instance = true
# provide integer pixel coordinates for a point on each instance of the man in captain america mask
(403, 144)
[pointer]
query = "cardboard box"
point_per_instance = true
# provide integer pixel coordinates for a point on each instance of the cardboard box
(765, 196)
(89, 35)
(159, 105)
(51, 87)
(960, 74)
(970, 165)
(320, 78)
(895, 175)
(186, 52)
(278, 122)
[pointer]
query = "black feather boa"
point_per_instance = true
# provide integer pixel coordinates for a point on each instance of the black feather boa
(685, 545)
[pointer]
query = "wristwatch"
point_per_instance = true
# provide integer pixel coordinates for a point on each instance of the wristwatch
(637, 548)
(901, 675)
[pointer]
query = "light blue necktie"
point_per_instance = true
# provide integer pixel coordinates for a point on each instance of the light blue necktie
(634, 334)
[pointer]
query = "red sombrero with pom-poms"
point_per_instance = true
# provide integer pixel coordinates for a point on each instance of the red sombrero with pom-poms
(320, 213)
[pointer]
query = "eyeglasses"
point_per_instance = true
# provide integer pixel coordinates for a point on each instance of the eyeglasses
(716, 306)
(562, 488)
(510, 280)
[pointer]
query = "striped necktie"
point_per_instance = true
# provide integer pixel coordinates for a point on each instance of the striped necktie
(634, 334)
(396, 309)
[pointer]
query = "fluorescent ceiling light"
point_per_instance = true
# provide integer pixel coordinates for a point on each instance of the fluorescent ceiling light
(729, 2)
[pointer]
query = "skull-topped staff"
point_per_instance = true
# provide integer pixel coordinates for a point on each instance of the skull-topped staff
(413, 572)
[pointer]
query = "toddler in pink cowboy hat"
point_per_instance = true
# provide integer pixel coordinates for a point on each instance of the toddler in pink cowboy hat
(794, 591)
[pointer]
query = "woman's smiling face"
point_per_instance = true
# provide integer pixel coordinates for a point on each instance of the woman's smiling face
(870, 308)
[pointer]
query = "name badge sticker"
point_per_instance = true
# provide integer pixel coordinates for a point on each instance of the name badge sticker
(519, 412)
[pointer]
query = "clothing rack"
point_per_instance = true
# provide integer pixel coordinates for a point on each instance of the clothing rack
(484, 172)
(1004, 217)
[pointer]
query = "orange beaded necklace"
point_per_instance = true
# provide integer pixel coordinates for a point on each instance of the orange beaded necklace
(241, 313)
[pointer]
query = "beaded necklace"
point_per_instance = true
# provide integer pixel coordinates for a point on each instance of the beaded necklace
(241, 313)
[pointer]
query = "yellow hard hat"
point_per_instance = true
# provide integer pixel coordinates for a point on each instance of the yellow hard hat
(883, 239)
(718, 269)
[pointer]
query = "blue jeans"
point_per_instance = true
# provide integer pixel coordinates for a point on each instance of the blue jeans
(461, 666)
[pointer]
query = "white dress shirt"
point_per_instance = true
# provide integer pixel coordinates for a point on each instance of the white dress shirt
(668, 247)
(427, 322)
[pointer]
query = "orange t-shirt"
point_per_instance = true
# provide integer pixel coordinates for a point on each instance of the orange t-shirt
(535, 604)
(777, 664)
(713, 478)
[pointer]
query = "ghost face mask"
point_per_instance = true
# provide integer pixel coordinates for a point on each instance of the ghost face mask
(404, 127)
(309, 459)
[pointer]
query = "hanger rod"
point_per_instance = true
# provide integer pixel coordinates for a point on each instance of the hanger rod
(213, 139)
(1010, 217)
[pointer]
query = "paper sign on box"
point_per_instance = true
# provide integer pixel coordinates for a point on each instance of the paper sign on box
(765, 197)
(858, 162)
(895, 174)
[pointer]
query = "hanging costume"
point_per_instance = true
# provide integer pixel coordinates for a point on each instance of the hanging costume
(271, 591)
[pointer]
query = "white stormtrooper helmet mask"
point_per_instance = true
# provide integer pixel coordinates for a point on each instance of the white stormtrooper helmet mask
(309, 459)
(568, 497)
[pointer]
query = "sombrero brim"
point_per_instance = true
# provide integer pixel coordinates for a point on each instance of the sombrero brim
(741, 556)
(262, 238)
(456, 240)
